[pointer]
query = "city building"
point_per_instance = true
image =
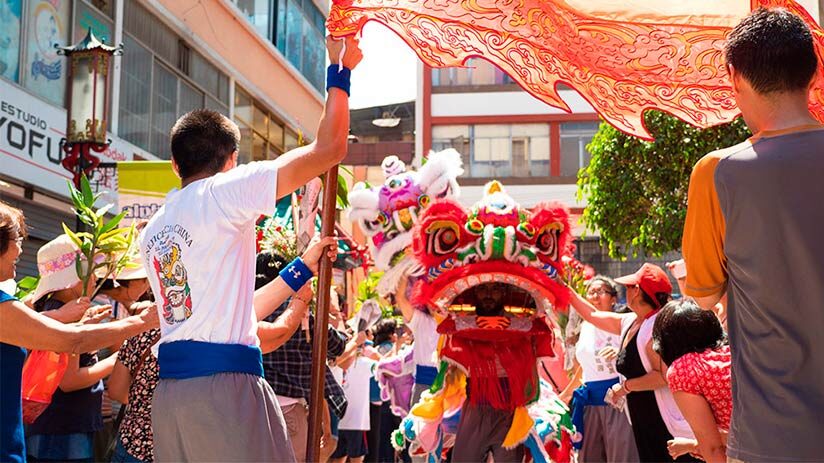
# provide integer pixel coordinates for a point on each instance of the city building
(262, 63)
(504, 133)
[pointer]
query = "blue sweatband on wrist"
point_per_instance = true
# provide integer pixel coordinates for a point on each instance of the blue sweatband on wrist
(296, 274)
(338, 77)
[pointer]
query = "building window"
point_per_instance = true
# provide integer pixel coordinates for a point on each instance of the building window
(497, 150)
(135, 94)
(261, 135)
(575, 136)
(258, 13)
(10, 29)
(299, 35)
(44, 72)
(478, 72)
(160, 81)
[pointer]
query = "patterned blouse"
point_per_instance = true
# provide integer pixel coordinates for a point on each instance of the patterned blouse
(706, 374)
(136, 427)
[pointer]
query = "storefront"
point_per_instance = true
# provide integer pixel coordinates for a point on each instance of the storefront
(31, 176)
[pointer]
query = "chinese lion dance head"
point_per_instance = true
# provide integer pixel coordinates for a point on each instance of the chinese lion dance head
(388, 213)
(491, 274)
(496, 245)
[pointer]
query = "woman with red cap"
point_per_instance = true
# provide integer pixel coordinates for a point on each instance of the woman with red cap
(654, 415)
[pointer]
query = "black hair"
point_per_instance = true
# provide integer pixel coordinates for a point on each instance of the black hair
(384, 330)
(267, 267)
(109, 285)
(202, 141)
(660, 299)
(773, 50)
(682, 328)
(609, 283)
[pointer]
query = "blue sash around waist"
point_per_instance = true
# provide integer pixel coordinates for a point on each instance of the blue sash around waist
(590, 393)
(425, 375)
(193, 359)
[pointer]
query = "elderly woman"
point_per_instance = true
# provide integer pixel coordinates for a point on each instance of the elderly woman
(22, 328)
(652, 410)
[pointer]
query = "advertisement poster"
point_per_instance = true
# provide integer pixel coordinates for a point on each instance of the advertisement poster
(10, 11)
(142, 188)
(46, 70)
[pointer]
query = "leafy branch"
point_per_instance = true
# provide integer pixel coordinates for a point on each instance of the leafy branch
(104, 246)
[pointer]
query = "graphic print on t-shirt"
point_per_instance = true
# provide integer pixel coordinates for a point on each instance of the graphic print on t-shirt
(176, 299)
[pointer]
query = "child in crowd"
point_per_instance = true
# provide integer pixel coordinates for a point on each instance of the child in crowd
(352, 429)
(692, 343)
(65, 430)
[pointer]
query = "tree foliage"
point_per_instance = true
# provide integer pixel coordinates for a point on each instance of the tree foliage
(636, 191)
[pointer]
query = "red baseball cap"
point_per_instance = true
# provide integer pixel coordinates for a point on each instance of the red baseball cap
(650, 278)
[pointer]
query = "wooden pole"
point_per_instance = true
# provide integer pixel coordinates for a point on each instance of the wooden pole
(321, 334)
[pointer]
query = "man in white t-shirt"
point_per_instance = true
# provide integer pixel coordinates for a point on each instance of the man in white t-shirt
(353, 426)
(212, 402)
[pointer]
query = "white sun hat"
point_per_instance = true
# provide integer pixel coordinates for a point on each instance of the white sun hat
(56, 264)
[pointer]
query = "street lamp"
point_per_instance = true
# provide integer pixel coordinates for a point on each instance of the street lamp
(88, 97)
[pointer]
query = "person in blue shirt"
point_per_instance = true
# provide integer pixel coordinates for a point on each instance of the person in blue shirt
(22, 328)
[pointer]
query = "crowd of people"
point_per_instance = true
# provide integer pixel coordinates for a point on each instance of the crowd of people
(209, 358)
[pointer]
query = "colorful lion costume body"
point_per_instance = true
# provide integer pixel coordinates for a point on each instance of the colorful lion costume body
(517, 253)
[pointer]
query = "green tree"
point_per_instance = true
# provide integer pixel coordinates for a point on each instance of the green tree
(636, 190)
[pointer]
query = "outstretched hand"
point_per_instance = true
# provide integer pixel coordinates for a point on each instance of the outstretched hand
(315, 250)
(351, 57)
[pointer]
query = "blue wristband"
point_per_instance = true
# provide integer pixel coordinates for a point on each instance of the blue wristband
(296, 274)
(338, 79)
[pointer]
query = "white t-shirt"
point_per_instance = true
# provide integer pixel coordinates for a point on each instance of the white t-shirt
(356, 388)
(199, 250)
(424, 328)
(590, 342)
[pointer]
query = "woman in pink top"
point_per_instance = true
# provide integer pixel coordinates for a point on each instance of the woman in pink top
(692, 343)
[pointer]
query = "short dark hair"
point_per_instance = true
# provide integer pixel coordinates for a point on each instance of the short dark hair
(202, 140)
(267, 268)
(660, 299)
(773, 50)
(109, 284)
(384, 330)
(682, 328)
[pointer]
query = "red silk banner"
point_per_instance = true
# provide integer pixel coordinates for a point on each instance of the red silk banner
(621, 62)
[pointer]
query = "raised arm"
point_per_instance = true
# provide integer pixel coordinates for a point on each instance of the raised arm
(605, 321)
(407, 310)
(302, 164)
(21, 326)
(274, 334)
(269, 297)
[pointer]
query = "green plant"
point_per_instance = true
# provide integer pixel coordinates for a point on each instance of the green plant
(104, 245)
(636, 190)
(26, 286)
(368, 289)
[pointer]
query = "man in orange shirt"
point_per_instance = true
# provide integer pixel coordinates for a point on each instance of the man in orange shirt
(754, 232)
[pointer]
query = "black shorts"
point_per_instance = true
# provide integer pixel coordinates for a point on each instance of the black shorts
(351, 444)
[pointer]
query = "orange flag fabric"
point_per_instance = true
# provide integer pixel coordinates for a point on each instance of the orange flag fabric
(622, 56)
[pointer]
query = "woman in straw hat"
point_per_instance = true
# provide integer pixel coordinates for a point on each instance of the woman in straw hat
(22, 328)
